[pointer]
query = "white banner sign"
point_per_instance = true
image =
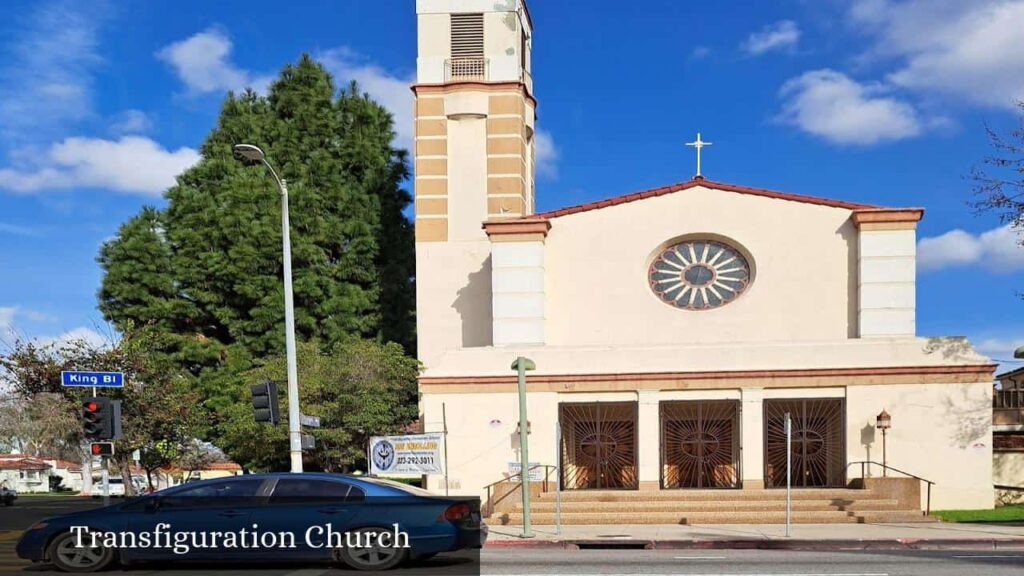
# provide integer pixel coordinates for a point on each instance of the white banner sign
(536, 470)
(413, 454)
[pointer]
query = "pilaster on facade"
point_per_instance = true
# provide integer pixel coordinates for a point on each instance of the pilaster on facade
(886, 271)
(517, 281)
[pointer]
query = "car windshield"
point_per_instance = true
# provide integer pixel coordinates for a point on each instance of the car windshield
(399, 485)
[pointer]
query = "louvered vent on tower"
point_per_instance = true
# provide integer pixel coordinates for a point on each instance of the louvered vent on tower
(467, 35)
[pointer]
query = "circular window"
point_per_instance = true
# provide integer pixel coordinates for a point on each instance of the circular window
(699, 274)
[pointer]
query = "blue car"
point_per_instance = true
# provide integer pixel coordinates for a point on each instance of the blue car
(364, 522)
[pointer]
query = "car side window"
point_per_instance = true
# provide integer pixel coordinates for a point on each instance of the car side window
(215, 494)
(305, 490)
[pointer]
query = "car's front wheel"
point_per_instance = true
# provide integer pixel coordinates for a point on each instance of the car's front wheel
(371, 555)
(67, 556)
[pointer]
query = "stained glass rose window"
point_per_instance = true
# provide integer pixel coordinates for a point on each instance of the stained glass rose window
(699, 274)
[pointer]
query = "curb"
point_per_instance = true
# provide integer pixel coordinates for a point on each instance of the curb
(819, 545)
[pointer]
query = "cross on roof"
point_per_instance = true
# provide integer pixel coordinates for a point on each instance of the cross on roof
(698, 144)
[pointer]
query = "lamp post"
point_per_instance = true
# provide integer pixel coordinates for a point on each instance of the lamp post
(253, 154)
(883, 422)
(521, 365)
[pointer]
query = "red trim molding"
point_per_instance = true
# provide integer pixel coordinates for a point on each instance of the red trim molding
(699, 181)
(511, 227)
(716, 375)
(457, 86)
(887, 215)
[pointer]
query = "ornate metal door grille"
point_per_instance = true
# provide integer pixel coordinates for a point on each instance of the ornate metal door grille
(819, 454)
(700, 444)
(598, 446)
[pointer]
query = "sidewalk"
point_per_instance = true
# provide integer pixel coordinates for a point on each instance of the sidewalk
(768, 536)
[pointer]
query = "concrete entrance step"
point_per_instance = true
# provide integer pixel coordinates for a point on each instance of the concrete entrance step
(701, 495)
(573, 506)
(772, 517)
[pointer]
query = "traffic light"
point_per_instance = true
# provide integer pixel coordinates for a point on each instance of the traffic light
(101, 418)
(264, 402)
(102, 449)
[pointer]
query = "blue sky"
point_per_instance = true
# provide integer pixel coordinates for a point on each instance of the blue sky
(866, 100)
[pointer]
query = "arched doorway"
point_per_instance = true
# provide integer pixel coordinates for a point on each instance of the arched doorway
(599, 446)
(818, 445)
(700, 444)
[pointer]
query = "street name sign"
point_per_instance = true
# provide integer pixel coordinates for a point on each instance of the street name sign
(89, 379)
(308, 441)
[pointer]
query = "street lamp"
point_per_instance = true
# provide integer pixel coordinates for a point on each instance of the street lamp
(521, 365)
(883, 422)
(253, 154)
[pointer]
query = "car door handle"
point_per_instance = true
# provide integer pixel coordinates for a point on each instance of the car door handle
(231, 513)
(330, 511)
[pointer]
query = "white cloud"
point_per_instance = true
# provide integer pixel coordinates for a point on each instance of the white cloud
(700, 52)
(132, 164)
(389, 89)
(967, 50)
(82, 334)
(130, 122)
(46, 75)
(1001, 348)
(202, 62)
(831, 105)
(9, 332)
(546, 154)
(998, 250)
(782, 35)
(17, 229)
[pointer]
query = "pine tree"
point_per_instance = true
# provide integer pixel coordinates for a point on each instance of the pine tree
(207, 270)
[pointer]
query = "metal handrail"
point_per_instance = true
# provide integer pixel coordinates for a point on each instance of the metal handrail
(547, 474)
(868, 463)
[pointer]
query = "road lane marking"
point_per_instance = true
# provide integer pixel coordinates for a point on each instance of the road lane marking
(992, 556)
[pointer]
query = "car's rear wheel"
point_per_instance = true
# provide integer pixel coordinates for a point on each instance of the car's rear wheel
(68, 557)
(374, 556)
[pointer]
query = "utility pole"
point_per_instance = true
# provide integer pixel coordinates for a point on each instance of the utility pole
(789, 472)
(521, 365)
(252, 153)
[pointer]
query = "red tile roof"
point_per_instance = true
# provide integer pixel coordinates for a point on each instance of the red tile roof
(23, 464)
(223, 466)
(231, 466)
(706, 184)
(70, 466)
(57, 462)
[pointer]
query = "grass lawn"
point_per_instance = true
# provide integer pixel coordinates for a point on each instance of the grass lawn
(1013, 513)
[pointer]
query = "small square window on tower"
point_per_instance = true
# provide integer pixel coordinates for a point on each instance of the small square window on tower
(467, 54)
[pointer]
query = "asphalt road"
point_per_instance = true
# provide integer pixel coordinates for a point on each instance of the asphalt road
(633, 562)
(754, 562)
(558, 561)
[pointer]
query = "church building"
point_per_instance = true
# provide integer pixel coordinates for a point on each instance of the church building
(672, 329)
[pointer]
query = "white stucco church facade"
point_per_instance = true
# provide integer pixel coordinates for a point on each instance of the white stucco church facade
(671, 328)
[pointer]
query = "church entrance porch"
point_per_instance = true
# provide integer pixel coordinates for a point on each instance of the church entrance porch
(599, 446)
(818, 442)
(700, 444)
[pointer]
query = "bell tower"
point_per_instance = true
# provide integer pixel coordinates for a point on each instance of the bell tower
(474, 117)
(474, 159)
